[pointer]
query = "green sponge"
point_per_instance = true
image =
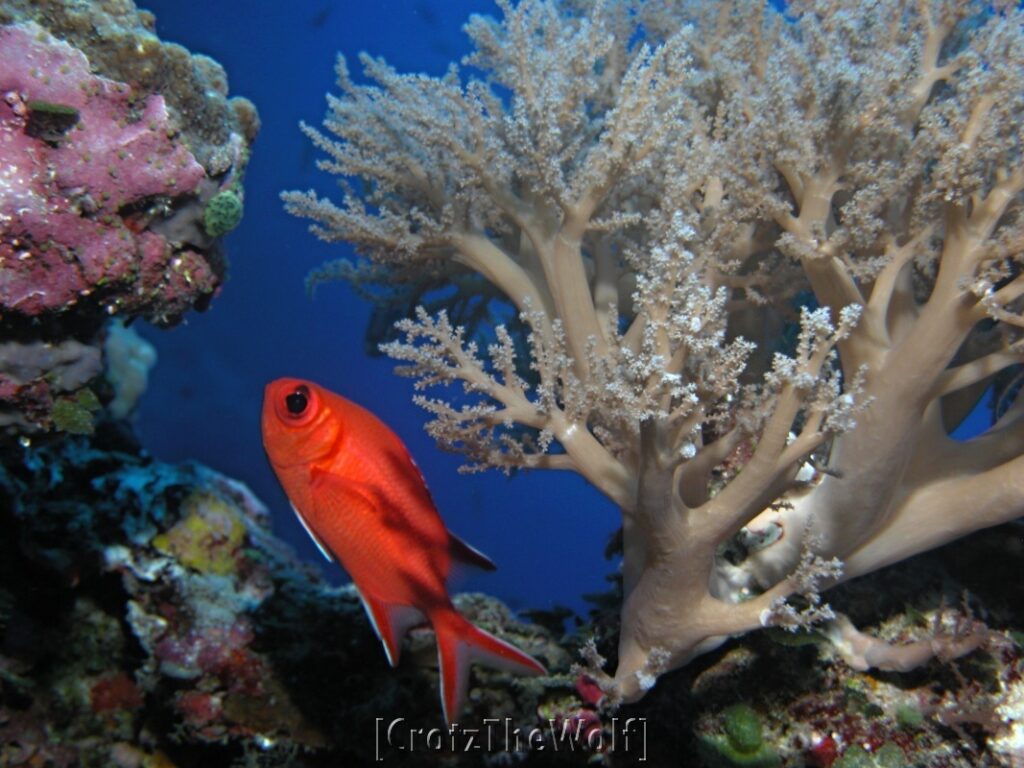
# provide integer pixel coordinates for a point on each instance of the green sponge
(74, 414)
(887, 756)
(222, 213)
(742, 744)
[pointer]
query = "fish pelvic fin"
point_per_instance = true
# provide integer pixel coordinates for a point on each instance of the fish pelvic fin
(316, 539)
(459, 644)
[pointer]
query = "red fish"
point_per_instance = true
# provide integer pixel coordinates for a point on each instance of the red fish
(361, 497)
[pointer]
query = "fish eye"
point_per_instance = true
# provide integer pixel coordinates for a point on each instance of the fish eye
(297, 401)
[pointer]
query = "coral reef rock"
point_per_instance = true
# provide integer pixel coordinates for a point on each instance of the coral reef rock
(122, 162)
(149, 617)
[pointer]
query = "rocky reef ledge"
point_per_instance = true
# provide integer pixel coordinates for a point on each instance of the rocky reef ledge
(149, 617)
(122, 159)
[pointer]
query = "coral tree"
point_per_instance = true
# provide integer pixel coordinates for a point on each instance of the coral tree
(103, 186)
(762, 265)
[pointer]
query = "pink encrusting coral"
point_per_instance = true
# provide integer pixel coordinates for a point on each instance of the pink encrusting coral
(85, 164)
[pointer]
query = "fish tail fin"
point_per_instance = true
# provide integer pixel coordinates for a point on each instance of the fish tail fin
(459, 643)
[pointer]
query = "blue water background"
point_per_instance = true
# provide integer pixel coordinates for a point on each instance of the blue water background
(545, 531)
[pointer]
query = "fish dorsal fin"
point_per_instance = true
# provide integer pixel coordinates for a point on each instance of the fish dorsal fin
(469, 555)
(316, 539)
(391, 622)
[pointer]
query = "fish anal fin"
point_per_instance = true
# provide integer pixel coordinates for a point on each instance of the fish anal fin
(468, 555)
(459, 644)
(391, 622)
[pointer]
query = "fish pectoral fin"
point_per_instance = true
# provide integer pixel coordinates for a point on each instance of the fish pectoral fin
(391, 621)
(465, 553)
(333, 495)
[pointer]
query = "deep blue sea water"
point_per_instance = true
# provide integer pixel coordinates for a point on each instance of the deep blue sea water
(545, 531)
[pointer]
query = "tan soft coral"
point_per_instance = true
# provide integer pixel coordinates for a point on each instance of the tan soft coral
(653, 188)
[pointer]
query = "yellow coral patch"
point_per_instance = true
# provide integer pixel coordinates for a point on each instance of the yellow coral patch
(208, 536)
